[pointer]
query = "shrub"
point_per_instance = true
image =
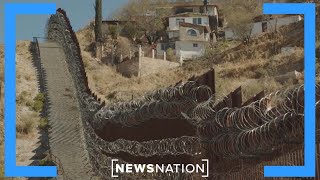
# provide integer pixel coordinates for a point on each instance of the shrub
(29, 103)
(40, 97)
(22, 97)
(43, 123)
(38, 102)
(113, 31)
(112, 95)
(170, 55)
(37, 106)
(25, 126)
(46, 162)
(261, 72)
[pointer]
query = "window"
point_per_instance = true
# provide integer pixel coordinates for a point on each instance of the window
(163, 47)
(197, 21)
(192, 32)
(195, 45)
(201, 9)
(179, 20)
(264, 27)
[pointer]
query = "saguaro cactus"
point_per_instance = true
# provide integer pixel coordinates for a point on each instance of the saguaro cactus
(98, 28)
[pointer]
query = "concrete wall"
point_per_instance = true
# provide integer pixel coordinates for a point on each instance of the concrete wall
(188, 51)
(159, 51)
(151, 66)
(257, 27)
(173, 34)
(148, 66)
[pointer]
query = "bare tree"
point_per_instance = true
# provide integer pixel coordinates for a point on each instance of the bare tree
(146, 18)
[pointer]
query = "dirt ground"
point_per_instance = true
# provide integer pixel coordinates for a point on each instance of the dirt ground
(27, 119)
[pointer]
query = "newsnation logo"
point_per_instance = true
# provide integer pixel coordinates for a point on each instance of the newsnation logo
(118, 168)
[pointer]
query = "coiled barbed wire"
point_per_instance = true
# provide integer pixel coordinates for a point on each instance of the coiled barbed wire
(256, 114)
(167, 103)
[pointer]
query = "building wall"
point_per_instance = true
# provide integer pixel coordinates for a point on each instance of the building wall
(151, 66)
(212, 11)
(184, 36)
(173, 34)
(148, 66)
(160, 51)
(187, 50)
(257, 27)
(174, 26)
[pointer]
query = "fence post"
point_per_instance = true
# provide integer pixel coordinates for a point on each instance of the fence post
(181, 59)
(164, 56)
(112, 55)
(140, 57)
(152, 53)
(130, 54)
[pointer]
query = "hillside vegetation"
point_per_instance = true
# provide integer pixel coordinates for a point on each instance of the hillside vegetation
(257, 66)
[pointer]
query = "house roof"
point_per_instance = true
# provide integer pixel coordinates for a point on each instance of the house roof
(181, 5)
(261, 18)
(206, 28)
(189, 14)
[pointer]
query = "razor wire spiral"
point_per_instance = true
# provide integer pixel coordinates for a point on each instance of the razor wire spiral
(255, 129)
(167, 103)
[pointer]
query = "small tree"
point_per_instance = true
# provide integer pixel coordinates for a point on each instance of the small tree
(145, 17)
(240, 17)
(113, 31)
(131, 30)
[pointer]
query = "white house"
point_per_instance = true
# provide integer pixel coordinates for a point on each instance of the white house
(188, 33)
(266, 26)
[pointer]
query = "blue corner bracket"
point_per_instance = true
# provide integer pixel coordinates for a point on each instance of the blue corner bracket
(11, 10)
(309, 12)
